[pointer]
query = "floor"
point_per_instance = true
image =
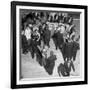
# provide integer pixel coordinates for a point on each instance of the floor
(31, 69)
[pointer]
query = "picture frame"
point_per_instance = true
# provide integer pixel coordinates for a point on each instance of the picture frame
(19, 9)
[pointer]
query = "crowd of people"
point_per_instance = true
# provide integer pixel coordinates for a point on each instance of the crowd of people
(38, 28)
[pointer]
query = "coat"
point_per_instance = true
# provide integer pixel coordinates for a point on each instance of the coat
(50, 63)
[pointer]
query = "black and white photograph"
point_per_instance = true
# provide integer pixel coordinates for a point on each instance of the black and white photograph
(49, 45)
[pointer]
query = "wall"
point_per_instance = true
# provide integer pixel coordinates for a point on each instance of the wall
(5, 44)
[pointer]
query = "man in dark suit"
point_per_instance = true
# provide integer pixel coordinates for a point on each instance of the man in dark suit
(46, 35)
(75, 48)
(58, 39)
(50, 63)
(24, 44)
(65, 69)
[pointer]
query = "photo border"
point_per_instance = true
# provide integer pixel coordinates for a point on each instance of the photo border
(13, 44)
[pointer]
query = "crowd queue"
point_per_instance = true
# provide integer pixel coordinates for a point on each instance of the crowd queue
(38, 28)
